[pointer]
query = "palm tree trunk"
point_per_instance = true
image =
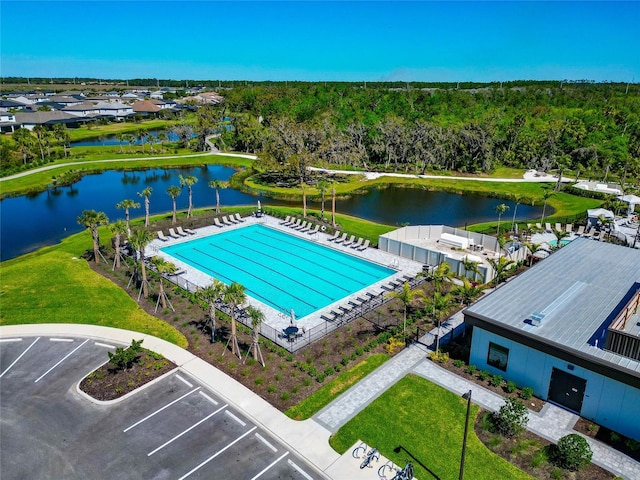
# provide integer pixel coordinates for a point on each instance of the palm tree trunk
(173, 219)
(212, 316)
(217, 202)
(96, 243)
(333, 207)
(145, 290)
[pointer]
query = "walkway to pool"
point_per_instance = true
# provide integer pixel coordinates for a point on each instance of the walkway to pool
(316, 324)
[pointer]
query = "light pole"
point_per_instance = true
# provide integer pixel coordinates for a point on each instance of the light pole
(466, 428)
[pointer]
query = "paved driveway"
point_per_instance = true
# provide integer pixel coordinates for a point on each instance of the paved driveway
(175, 428)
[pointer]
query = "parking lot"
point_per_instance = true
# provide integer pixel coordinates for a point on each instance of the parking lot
(173, 429)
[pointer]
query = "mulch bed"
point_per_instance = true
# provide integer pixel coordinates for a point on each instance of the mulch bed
(527, 452)
(108, 383)
(603, 434)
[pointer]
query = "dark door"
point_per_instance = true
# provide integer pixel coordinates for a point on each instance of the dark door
(567, 390)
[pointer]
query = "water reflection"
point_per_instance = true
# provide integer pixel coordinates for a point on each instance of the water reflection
(39, 219)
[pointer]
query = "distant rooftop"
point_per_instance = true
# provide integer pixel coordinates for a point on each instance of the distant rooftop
(575, 295)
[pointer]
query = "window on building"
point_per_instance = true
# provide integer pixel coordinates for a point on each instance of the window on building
(498, 356)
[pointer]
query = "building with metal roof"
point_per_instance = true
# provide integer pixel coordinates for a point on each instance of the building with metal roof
(569, 328)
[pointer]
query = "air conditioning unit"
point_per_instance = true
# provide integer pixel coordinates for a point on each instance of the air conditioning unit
(536, 319)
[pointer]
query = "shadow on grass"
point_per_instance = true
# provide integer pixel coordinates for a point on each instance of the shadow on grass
(400, 448)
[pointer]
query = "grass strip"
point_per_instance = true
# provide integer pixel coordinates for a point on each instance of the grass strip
(313, 404)
(427, 422)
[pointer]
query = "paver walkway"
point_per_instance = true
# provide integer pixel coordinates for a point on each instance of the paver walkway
(551, 422)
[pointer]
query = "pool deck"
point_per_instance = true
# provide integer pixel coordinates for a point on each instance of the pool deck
(274, 318)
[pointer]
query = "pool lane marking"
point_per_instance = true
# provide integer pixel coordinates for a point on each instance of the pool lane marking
(62, 360)
(10, 340)
(61, 339)
(195, 469)
(98, 344)
(160, 409)
(302, 472)
(235, 418)
(16, 360)
(266, 442)
(271, 465)
(208, 398)
(184, 381)
(187, 430)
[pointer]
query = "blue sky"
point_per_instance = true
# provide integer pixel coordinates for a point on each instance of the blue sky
(315, 40)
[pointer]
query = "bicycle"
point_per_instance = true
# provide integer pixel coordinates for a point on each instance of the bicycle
(405, 473)
(361, 451)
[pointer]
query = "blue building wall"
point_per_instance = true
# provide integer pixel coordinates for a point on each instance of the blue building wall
(606, 402)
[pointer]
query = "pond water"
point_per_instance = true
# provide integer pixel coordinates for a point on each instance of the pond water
(34, 221)
(111, 140)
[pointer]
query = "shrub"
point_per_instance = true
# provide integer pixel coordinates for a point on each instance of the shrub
(573, 452)
(259, 380)
(359, 351)
(344, 361)
(123, 358)
(439, 356)
(289, 358)
(483, 375)
(510, 387)
(632, 445)
(471, 369)
(329, 371)
(512, 418)
(458, 363)
(526, 393)
(496, 380)
(320, 378)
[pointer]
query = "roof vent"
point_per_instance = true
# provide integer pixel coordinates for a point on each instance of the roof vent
(536, 319)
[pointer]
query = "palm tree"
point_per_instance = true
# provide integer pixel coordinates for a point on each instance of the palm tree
(303, 186)
(126, 205)
(440, 304)
(500, 210)
(546, 196)
(517, 199)
(333, 205)
(218, 185)
(533, 248)
(234, 296)
(406, 296)
(120, 137)
(119, 230)
(501, 266)
(439, 276)
(559, 234)
(130, 138)
(189, 181)
(139, 239)
(163, 268)
(162, 138)
(257, 317)
(211, 294)
(323, 185)
(91, 220)
(173, 192)
(470, 267)
(146, 193)
(467, 291)
(61, 134)
(140, 134)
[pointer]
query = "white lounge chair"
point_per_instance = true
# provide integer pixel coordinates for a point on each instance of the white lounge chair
(232, 219)
(352, 239)
(580, 230)
(184, 232)
(226, 221)
(358, 243)
(539, 226)
(216, 222)
(301, 227)
(162, 237)
(341, 239)
(307, 228)
(314, 230)
(173, 234)
(335, 235)
(239, 218)
(569, 227)
(559, 227)
(286, 220)
(296, 224)
(291, 221)
(548, 227)
(365, 245)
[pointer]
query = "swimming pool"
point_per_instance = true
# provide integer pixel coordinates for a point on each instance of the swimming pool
(563, 242)
(281, 270)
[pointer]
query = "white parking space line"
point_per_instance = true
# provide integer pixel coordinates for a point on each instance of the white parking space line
(160, 409)
(217, 453)
(63, 359)
(98, 344)
(10, 339)
(208, 398)
(186, 431)
(266, 442)
(302, 472)
(16, 360)
(61, 339)
(184, 381)
(271, 465)
(235, 418)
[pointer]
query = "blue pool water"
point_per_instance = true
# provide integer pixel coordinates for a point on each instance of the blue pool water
(281, 270)
(563, 242)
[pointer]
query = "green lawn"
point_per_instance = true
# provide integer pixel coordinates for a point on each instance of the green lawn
(428, 422)
(54, 285)
(314, 403)
(85, 133)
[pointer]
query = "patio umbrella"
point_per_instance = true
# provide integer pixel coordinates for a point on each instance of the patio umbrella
(259, 206)
(293, 317)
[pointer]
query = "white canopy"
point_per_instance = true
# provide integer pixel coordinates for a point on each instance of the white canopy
(630, 199)
(597, 212)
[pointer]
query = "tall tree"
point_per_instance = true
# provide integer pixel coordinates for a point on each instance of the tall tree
(139, 239)
(439, 276)
(500, 210)
(406, 297)
(257, 317)
(322, 185)
(146, 193)
(211, 294)
(164, 268)
(189, 181)
(303, 186)
(218, 185)
(26, 142)
(173, 191)
(119, 230)
(62, 136)
(501, 267)
(234, 296)
(333, 205)
(92, 220)
(546, 196)
(42, 138)
(126, 205)
(517, 199)
(439, 304)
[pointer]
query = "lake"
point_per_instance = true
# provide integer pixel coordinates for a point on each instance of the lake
(30, 222)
